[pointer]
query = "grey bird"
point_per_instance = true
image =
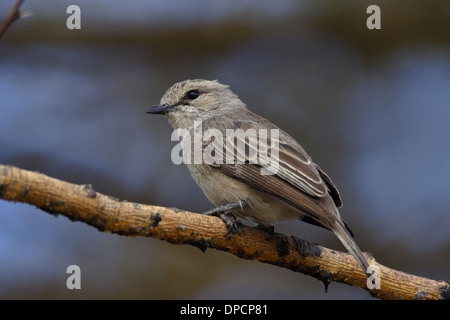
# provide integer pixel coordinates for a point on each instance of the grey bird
(299, 188)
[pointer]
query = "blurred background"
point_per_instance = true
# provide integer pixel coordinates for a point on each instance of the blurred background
(372, 107)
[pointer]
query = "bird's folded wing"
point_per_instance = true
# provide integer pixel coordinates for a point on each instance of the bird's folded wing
(289, 172)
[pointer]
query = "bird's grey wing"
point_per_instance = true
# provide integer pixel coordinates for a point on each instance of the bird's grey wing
(285, 159)
(295, 178)
(331, 188)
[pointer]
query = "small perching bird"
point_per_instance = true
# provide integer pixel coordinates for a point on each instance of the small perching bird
(246, 165)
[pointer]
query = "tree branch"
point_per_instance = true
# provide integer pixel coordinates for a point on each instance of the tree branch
(82, 203)
(13, 16)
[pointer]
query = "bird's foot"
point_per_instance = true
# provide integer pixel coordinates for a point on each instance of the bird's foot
(230, 220)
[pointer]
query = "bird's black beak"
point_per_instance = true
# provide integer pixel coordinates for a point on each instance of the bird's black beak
(161, 109)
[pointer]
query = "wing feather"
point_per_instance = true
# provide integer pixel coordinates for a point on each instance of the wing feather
(296, 179)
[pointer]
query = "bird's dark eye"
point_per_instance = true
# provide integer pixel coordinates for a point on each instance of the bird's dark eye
(192, 95)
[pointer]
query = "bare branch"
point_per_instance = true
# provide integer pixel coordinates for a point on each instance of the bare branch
(82, 203)
(13, 16)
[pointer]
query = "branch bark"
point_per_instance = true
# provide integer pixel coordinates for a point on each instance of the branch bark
(108, 214)
(13, 16)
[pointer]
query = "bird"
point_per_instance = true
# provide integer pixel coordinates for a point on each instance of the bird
(292, 187)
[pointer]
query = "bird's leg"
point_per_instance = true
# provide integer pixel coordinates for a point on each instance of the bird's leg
(229, 219)
(222, 209)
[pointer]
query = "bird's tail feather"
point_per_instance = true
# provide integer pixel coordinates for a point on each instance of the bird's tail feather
(344, 236)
